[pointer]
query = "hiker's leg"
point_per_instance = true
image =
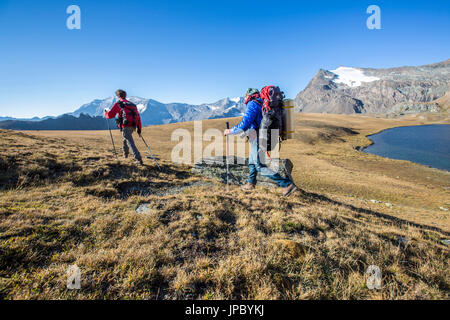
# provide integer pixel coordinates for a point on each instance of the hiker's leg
(252, 174)
(253, 161)
(277, 178)
(131, 143)
(125, 148)
(269, 173)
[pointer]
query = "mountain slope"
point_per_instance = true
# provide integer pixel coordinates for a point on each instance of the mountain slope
(21, 119)
(444, 102)
(64, 122)
(361, 90)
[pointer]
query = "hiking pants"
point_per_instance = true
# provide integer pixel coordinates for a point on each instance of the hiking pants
(128, 142)
(256, 166)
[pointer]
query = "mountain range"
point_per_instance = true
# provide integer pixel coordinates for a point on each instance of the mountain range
(24, 119)
(345, 90)
(90, 116)
(376, 91)
(154, 112)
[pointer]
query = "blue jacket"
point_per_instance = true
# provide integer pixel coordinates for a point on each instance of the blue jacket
(251, 120)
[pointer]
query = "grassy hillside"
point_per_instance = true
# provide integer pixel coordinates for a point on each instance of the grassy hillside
(64, 200)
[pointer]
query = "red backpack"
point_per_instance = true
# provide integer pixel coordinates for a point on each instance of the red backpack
(272, 97)
(272, 112)
(128, 114)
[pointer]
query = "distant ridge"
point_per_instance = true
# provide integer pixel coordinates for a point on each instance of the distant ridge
(65, 122)
(90, 116)
(154, 112)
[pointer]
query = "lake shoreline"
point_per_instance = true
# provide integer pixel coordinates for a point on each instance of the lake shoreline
(392, 151)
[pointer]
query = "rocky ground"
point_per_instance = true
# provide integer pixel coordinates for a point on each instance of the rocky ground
(216, 167)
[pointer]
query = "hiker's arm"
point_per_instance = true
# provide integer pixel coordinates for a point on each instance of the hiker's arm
(247, 120)
(113, 112)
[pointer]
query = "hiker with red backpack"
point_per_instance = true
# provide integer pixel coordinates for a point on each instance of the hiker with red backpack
(261, 116)
(128, 121)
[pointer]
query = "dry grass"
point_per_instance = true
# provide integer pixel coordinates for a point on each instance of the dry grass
(65, 201)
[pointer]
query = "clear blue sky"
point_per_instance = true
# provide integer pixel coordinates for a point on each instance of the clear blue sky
(199, 51)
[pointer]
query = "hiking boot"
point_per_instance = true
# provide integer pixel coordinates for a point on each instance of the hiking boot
(139, 161)
(248, 187)
(125, 156)
(289, 190)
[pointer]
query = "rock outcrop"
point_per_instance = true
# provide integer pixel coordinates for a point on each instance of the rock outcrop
(215, 167)
(376, 91)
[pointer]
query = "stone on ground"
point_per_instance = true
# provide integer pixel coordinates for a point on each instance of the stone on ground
(215, 167)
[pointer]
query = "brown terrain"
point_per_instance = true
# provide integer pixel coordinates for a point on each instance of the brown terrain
(65, 200)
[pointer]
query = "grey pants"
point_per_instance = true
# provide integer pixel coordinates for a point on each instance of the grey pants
(128, 143)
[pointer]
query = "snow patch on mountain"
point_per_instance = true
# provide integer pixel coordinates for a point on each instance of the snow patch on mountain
(141, 107)
(376, 91)
(351, 77)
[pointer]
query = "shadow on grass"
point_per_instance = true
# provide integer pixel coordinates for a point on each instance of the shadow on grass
(317, 197)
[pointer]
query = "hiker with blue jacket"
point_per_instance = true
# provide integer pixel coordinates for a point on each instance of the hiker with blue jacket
(250, 124)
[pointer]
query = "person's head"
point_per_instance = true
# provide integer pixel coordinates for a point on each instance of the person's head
(121, 94)
(250, 92)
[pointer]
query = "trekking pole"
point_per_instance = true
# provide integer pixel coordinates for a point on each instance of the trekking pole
(154, 159)
(112, 140)
(228, 167)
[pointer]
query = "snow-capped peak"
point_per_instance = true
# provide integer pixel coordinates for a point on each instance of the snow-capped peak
(141, 107)
(153, 112)
(351, 77)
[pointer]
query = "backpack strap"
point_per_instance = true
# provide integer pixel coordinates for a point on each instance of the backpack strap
(122, 107)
